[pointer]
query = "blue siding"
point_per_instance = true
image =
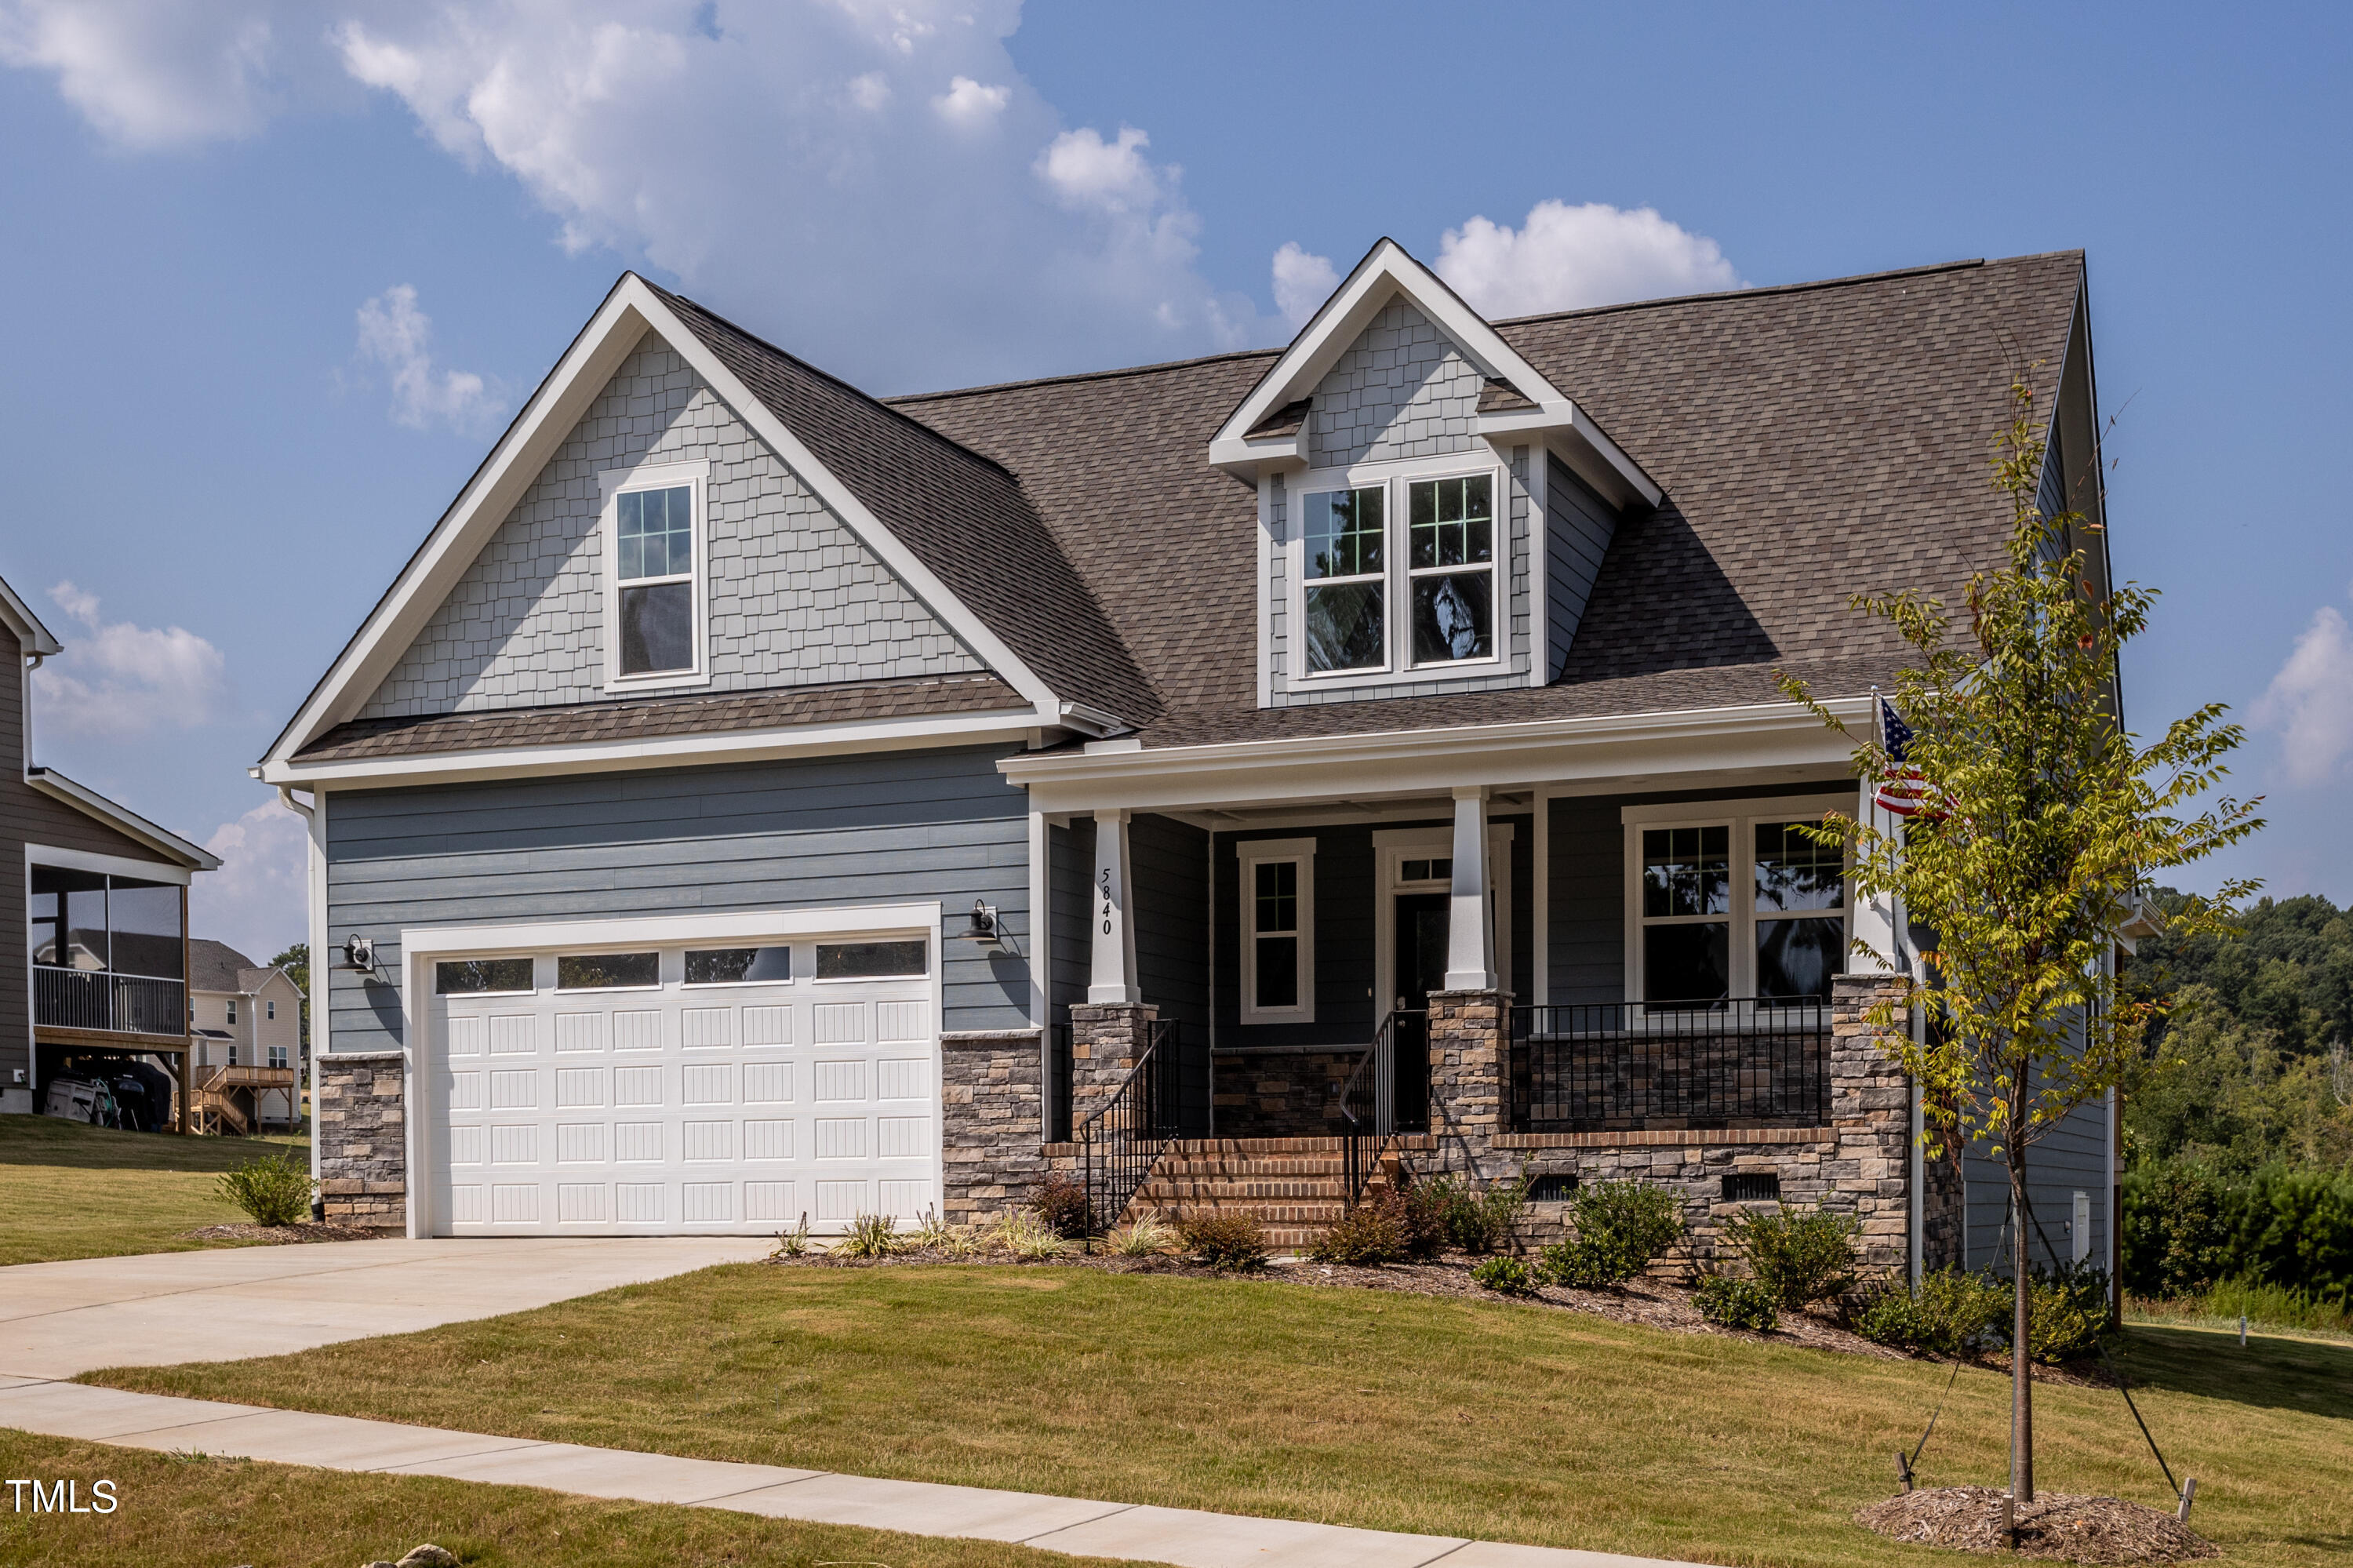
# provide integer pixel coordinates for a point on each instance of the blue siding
(1170, 862)
(1578, 525)
(890, 828)
(1070, 854)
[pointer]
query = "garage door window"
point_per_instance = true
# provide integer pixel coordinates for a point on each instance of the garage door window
(739, 966)
(607, 971)
(483, 977)
(871, 960)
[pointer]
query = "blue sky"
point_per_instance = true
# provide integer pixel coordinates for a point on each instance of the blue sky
(282, 269)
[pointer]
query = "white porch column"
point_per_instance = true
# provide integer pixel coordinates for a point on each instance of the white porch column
(1878, 922)
(1112, 979)
(1471, 926)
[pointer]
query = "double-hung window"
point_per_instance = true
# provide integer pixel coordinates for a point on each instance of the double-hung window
(1399, 575)
(1742, 905)
(1346, 601)
(655, 593)
(1278, 930)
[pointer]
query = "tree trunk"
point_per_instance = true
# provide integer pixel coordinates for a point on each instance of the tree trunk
(2021, 1380)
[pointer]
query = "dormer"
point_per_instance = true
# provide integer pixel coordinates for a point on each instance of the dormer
(1432, 509)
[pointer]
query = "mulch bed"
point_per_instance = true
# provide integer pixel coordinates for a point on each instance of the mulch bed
(2054, 1525)
(277, 1234)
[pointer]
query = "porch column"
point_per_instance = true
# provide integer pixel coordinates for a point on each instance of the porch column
(1471, 925)
(1879, 921)
(1113, 978)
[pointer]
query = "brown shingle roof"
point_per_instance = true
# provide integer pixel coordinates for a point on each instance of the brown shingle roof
(642, 718)
(1813, 443)
(962, 516)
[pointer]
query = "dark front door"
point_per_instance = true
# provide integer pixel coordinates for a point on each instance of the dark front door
(1420, 968)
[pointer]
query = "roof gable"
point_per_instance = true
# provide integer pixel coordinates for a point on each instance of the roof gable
(1028, 613)
(1530, 407)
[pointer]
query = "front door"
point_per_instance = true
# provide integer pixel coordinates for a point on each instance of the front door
(1421, 968)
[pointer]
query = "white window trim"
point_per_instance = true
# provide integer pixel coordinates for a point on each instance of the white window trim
(1741, 817)
(1394, 847)
(615, 484)
(1395, 478)
(1253, 853)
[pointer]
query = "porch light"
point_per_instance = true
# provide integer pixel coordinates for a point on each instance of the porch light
(983, 930)
(359, 955)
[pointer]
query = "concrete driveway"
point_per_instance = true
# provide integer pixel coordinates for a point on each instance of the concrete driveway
(57, 1319)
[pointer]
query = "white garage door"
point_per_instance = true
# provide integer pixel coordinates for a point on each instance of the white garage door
(703, 1088)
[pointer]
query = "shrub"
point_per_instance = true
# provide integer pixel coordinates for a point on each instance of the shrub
(2186, 1230)
(1473, 1220)
(1060, 1204)
(1622, 1228)
(1953, 1313)
(1505, 1276)
(870, 1235)
(794, 1243)
(2066, 1311)
(1371, 1232)
(1736, 1303)
(1148, 1237)
(1421, 1211)
(1224, 1238)
(271, 1190)
(1026, 1238)
(1798, 1258)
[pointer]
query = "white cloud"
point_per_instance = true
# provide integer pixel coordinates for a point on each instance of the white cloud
(2310, 700)
(1301, 282)
(872, 91)
(1085, 171)
(1563, 258)
(256, 901)
(117, 681)
(968, 103)
(153, 73)
(397, 337)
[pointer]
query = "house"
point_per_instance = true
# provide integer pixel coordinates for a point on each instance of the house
(757, 799)
(246, 1022)
(94, 918)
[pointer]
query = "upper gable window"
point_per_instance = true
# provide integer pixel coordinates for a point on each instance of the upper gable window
(655, 592)
(1398, 575)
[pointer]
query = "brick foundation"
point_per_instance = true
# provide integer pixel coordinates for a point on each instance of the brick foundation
(993, 1154)
(363, 1133)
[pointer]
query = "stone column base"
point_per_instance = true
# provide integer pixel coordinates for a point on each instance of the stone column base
(363, 1137)
(1107, 1040)
(1470, 1034)
(1871, 1108)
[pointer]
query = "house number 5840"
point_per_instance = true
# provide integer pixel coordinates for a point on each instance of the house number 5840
(1106, 892)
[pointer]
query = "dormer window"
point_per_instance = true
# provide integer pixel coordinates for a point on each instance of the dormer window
(654, 578)
(1398, 574)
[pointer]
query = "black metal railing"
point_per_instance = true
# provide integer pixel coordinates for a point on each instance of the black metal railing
(1625, 1066)
(1120, 1140)
(84, 999)
(1377, 1101)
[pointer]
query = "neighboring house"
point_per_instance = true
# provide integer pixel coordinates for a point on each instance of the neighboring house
(246, 1022)
(93, 911)
(757, 799)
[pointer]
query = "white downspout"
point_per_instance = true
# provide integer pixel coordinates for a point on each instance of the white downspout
(315, 925)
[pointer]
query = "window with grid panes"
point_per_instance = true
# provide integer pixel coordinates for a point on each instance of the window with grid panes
(1348, 607)
(654, 538)
(1687, 914)
(1450, 562)
(1800, 912)
(1274, 933)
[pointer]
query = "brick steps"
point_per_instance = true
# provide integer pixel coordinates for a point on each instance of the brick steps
(1293, 1185)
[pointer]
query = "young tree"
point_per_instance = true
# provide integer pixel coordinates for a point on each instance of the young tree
(296, 961)
(2042, 821)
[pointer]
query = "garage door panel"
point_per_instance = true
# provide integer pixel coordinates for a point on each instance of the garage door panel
(705, 1107)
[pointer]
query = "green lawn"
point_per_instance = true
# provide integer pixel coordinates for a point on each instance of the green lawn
(76, 1191)
(183, 1510)
(1472, 1417)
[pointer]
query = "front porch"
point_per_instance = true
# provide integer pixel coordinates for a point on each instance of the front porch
(1257, 1004)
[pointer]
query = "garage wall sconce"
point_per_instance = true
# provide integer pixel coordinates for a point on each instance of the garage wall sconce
(984, 931)
(359, 956)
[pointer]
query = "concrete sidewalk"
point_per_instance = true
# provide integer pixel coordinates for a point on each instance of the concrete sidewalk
(1075, 1525)
(57, 1319)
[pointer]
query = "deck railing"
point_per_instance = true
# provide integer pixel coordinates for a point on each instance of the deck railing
(1628, 1066)
(84, 999)
(1122, 1140)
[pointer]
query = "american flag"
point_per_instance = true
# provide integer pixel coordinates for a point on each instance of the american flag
(1901, 792)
